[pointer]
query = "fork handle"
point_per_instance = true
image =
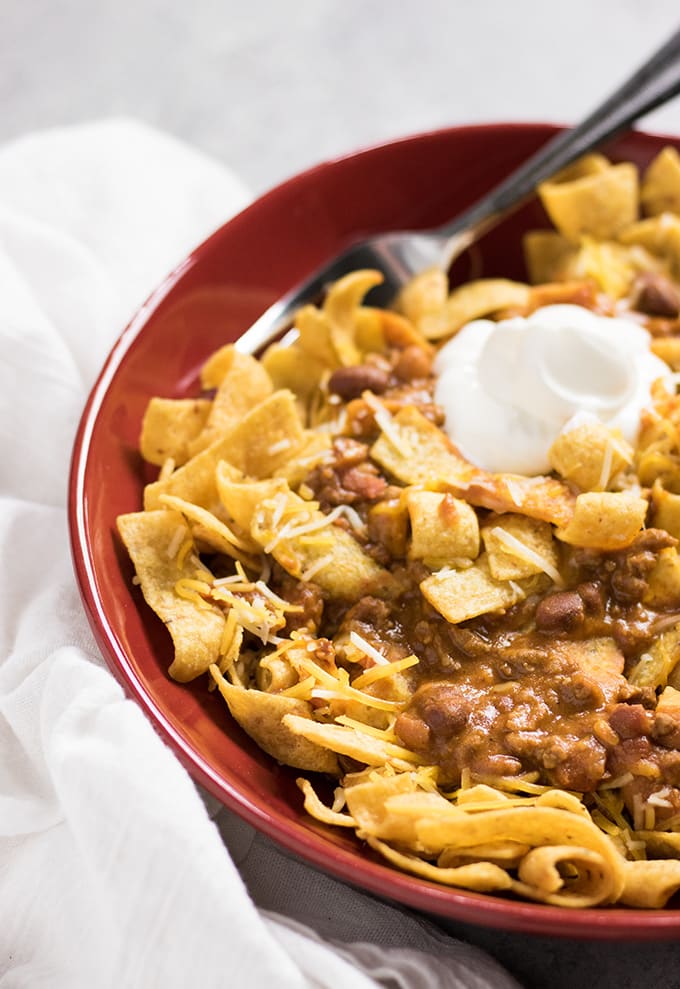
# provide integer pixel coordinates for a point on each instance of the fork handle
(655, 82)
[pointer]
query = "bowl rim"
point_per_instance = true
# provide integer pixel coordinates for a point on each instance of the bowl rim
(613, 923)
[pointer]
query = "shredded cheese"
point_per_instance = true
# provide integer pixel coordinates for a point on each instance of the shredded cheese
(279, 447)
(301, 690)
(176, 541)
(386, 423)
(381, 672)
(617, 782)
(315, 567)
(386, 734)
(277, 601)
(167, 469)
(191, 590)
(658, 800)
(515, 547)
(514, 491)
(607, 461)
(342, 691)
(254, 616)
(353, 518)
(367, 649)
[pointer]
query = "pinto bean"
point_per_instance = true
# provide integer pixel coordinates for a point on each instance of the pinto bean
(562, 611)
(350, 382)
(412, 731)
(592, 594)
(656, 295)
(442, 707)
(630, 720)
(413, 362)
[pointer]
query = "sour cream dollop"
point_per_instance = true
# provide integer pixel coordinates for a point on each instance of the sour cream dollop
(509, 388)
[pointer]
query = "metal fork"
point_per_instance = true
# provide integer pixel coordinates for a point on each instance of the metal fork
(400, 256)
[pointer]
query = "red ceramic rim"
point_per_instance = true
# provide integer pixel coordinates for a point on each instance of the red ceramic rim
(347, 864)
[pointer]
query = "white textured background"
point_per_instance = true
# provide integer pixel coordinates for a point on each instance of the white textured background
(272, 86)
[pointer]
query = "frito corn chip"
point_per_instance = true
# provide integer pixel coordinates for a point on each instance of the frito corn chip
(590, 455)
(313, 449)
(544, 826)
(443, 528)
(543, 871)
(666, 510)
(283, 525)
(650, 884)
(263, 716)
(479, 298)
(388, 524)
(506, 854)
(482, 877)
(391, 813)
(612, 267)
(195, 481)
(344, 299)
(241, 496)
(549, 256)
(288, 368)
(659, 235)
(169, 427)
(668, 349)
(663, 582)
(218, 536)
(462, 594)
(399, 331)
(154, 541)
(544, 498)
(413, 450)
(604, 520)
(599, 204)
(424, 296)
(517, 547)
(660, 190)
(590, 164)
(350, 742)
(314, 337)
(654, 666)
(242, 382)
(267, 436)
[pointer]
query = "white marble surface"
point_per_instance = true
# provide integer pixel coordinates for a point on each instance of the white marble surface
(272, 87)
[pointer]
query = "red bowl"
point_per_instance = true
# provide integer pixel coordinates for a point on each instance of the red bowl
(210, 299)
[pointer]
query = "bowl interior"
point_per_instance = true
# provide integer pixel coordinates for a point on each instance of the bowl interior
(208, 301)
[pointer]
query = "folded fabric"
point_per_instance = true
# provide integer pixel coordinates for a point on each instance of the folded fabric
(113, 873)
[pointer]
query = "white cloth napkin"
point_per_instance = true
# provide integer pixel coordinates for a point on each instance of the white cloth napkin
(112, 872)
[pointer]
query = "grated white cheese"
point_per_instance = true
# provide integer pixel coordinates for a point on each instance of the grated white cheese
(176, 541)
(606, 471)
(514, 491)
(279, 447)
(367, 649)
(316, 566)
(279, 509)
(617, 782)
(659, 799)
(516, 547)
(352, 517)
(386, 423)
